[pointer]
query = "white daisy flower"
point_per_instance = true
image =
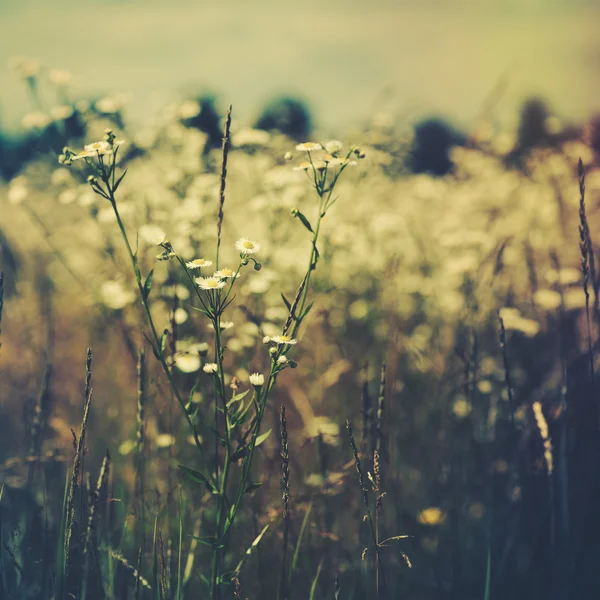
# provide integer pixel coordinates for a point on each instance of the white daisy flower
(225, 274)
(210, 368)
(284, 339)
(198, 263)
(247, 246)
(282, 360)
(209, 283)
(309, 147)
(101, 148)
(333, 146)
(257, 379)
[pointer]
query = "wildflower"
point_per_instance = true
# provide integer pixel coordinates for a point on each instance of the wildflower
(101, 147)
(333, 146)
(187, 362)
(266, 339)
(61, 112)
(59, 77)
(282, 360)
(210, 368)
(257, 379)
(159, 237)
(225, 274)
(247, 246)
(180, 315)
(226, 324)
(189, 109)
(152, 234)
(198, 263)
(288, 156)
(36, 120)
(284, 339)
(431, 516)
(209, 283)
(201, 348)
(164, 440)
(325, 428)
(26, 68)
(309, 147)
(115, 295)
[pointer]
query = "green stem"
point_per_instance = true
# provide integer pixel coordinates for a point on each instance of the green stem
(155, 336)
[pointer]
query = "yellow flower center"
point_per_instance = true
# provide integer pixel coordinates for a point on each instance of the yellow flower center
(212, 283)
(248, 244)
(285, 338)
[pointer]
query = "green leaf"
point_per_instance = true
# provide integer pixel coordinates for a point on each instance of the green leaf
(252, 486)
(307, 310)
(262, 437)
(304, 220)
(238, 397)
(285, 301)
(313, 586)
(208, 541)
(118, 182)
(198, 477)
(148, 284)
(163, 340)
(249, 551)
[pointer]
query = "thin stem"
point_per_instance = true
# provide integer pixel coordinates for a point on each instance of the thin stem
(155, 337)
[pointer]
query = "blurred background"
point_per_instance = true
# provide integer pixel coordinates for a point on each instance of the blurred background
(422, 57)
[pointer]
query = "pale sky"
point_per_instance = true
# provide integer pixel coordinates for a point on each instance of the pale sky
(439, 57)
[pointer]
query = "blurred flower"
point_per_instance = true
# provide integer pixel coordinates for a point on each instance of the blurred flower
(333, 146)
(115, 295)
(226, 325)
(59, 77)
(180, 316)
(189, 109)
(164, 440)
(36, 120)
(247, 246)
(18, 190)
(547, 299)
(210, 368)
(187, 362)
(62, 112)
(26, 68)
(151, 234)
(461, 408)
(251, 137)
(431, 516)
(323, 427)
(309, 147)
